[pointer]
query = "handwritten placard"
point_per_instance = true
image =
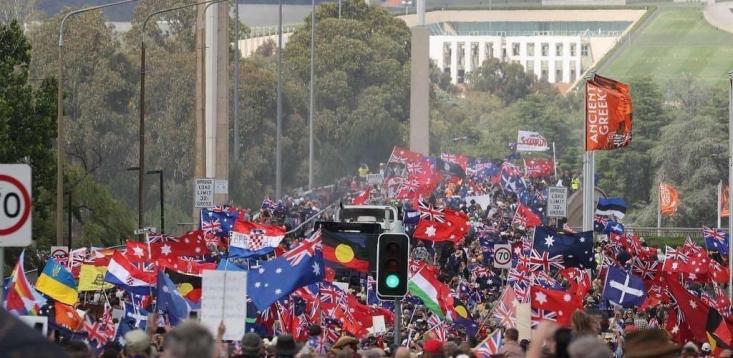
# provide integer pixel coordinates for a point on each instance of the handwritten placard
(224, 299)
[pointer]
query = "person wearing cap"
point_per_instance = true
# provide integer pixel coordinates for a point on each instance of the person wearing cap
(252, 346)
(649, 343)
(137, 344)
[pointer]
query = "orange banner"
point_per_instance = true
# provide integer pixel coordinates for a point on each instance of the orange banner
(668, 199)
(608, 114)
(724, 213)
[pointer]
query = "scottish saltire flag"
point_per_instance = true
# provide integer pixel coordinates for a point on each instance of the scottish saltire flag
(490, 346)
(248, 239)
(716, 240)
(57, 282)
(217, 221)
(576, 249)
(611, 206)
(20, 296)
(277, 278)
(623, 288)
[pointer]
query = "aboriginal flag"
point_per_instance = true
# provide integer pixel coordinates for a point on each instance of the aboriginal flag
(346, 250)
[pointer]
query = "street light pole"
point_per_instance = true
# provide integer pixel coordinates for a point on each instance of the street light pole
(312, 106)
(236, 83)
(141, 133)
(278, 131)
(162, 198)
(60, 121)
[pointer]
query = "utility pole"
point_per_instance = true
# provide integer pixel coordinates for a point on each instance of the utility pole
(236, 83)
(312, 106)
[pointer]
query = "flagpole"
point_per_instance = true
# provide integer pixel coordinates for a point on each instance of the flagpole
(554, 161)
(730, 182)
(718, 208)
(588, 172)
(659, 210)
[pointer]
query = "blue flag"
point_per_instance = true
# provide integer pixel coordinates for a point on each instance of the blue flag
(611, 206)
(218, 222)
(716, 240)
(614, 227)
(278, 278)
(623, 288)
(133, 318)
(170, 301)
(576, 249)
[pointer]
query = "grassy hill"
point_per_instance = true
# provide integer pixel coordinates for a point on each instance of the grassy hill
(676, 41)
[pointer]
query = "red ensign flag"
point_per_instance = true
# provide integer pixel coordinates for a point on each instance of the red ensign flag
(608, 114)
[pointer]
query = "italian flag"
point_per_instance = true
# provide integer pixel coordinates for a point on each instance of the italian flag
(434, 294)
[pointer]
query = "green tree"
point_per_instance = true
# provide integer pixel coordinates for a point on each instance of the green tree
(506, 80)
(28, 123)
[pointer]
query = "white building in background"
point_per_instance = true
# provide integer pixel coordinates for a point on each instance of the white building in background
(557, 45)
(558, 59)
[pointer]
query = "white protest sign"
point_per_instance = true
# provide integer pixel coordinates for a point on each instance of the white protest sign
(375, 179)
(557, 199)
(223, 298)
(203, 193)
(15, 205)
(528, 141)
(40, 323)
(378, 325)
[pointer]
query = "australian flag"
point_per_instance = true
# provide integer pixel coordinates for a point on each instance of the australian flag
(575, 248)
(623, 288)
(716, 240)
(218, 222)
(278, 278)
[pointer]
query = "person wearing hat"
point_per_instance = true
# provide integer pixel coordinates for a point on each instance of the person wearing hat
(285, 347)
(137, 344)
(433, 348)
(346, 342)
(706, 350)
(252, 346)
(649, 343)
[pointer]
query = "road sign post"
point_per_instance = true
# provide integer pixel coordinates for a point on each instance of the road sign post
(557, 199)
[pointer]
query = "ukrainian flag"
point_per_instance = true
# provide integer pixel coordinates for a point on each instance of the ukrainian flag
(56, 281)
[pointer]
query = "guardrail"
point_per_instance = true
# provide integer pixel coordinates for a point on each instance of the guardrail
(694, 232)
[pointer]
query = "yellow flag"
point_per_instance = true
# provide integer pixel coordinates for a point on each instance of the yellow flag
(91, 278)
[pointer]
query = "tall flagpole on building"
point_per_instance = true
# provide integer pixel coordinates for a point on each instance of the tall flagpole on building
(588, 170)
(730, 181)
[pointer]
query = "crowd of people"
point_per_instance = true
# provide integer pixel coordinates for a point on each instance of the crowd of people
(488, 197)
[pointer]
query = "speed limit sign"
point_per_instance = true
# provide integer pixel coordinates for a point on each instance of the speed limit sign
(502, 256)
(15, 205)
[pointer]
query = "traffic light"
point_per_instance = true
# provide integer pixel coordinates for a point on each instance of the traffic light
(393, 251)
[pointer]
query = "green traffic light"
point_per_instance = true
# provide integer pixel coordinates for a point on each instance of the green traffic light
(392, 280)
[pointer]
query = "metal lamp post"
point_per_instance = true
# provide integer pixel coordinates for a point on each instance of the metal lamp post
(162, 198)
(60, 121)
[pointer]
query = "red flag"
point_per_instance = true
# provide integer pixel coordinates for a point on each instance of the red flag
(67, 317)
(525, 217)
(724, 198)
(137, 252)
(578, 279)
(608, 114)
(458, 159)
(452, 228)
(362, 198)
(562, 303)
(694, 310)
(538, 168)
(403, 156)
(191, 243)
